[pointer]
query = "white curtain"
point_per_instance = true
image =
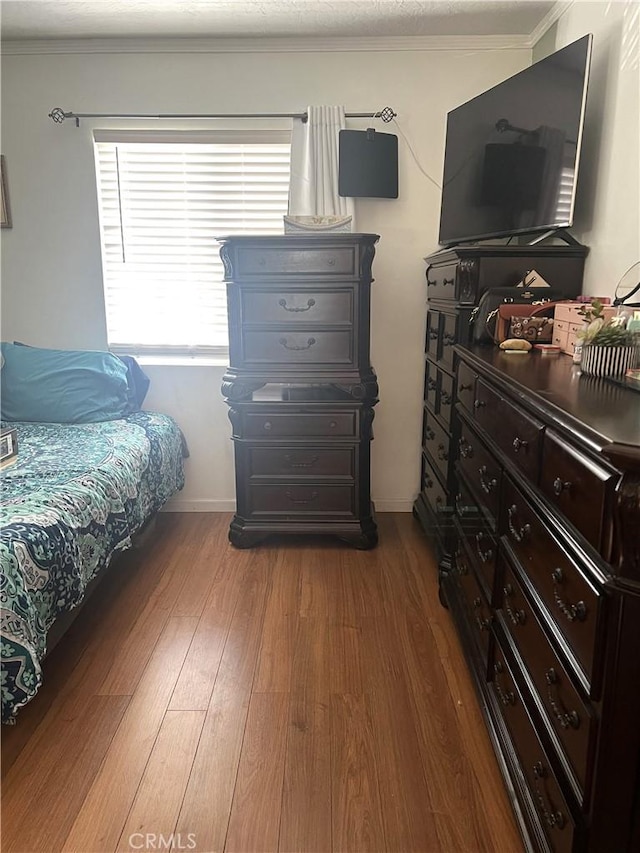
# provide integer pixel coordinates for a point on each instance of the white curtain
(314, 165)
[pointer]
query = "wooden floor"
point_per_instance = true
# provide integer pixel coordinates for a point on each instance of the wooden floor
(300, 696)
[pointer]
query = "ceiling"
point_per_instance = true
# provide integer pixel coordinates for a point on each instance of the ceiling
(70, 19)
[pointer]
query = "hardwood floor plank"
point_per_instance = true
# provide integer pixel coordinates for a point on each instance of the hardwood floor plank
(273, 674)
(40, 800)
(254, 822)
(207, 802)
(206, 545)
(357, 822)
(196, 682)
(100, 820)
(305, 824)
(127, 668)
(157, 803)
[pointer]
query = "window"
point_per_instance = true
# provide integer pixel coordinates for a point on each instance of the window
(163, 198)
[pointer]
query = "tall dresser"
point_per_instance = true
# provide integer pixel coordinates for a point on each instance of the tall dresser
(544, 589)
(299, 385)
(456, 278)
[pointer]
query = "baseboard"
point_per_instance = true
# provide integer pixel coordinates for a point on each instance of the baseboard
(393, 504)
(178, 504)
(198, 505)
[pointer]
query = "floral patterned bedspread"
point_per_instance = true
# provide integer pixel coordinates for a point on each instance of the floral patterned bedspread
(72, 500)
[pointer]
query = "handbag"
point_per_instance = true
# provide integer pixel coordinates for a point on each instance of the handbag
(513, 300)
(533, 323)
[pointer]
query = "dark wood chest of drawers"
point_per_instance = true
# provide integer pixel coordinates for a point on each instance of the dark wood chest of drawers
(544, 588)
(456, 278)
(300, 385)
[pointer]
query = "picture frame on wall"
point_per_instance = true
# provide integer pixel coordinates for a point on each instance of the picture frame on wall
(5, 211)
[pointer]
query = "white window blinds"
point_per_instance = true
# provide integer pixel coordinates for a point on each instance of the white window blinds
(163, 199)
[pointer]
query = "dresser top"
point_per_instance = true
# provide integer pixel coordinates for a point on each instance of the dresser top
(603, 414)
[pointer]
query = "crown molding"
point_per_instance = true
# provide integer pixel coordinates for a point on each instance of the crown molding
(554, 14)
(265, 45)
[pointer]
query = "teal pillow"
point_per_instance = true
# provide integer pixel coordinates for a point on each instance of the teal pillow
(62, 386)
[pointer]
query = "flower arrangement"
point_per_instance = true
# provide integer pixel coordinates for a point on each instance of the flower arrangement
(602, 331)
(609, 348)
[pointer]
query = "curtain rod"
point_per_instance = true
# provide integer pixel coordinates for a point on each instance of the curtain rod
(58, 115)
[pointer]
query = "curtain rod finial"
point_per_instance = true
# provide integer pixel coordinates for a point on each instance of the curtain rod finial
(58, 115)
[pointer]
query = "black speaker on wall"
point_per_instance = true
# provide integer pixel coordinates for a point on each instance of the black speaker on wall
(368, 164)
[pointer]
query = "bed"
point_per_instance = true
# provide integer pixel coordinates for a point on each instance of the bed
(74, 497)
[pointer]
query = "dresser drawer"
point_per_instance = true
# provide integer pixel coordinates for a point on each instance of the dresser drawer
(432, 489)
(445, 397)
(480, 539)
(432, 338)
(436, 443)
(476, 606)
(293, 348)
(571, 718)
(297, 306)
(579, 488)
(299, 424)
(553, 813)
(441, 281)
(301, 500)
(466, 386)
(482, 471)
(449, 338)
(297, 261)
(431, 385)
(300, 462)
(569, 600)
(518, 435)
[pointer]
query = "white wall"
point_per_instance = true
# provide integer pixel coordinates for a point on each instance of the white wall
(608, 199)
(51, 273)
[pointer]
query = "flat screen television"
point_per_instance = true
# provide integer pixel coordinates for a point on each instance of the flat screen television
(512, 153)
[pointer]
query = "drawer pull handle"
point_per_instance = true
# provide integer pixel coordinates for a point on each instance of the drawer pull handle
(445, 398)
(293, 463)
(433, 334)
(267, 425)
(525, 530)
(428, 483)
(516, 617)
(466, 450)
(446, 281)
(571, 611)
(462, 568)
(507, 697)
(331, 261)
(553, 818)
(460, 508)
(441, 453)
(430, 283)
(310, 304)
(560, 486)
(449, 339)
(308, 500)
(333, 424)
(483, 624)
(430, 434)
(487, 485)
(297, 347)
(519, 444)
(564, 717)
(432, 384)
(465, 386)
(479, 404)
(485, 556)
